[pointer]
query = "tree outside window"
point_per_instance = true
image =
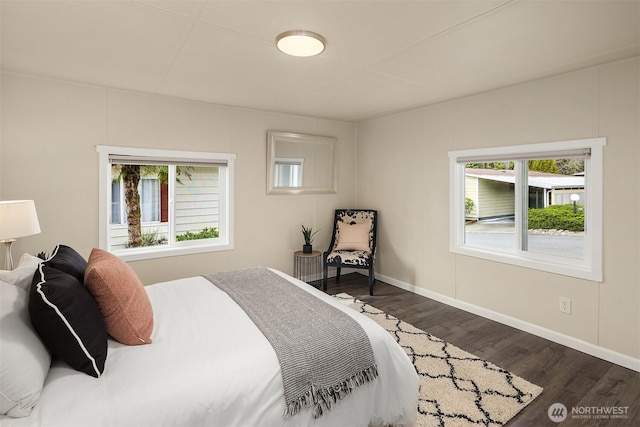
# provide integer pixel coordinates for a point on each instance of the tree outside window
(175, 202)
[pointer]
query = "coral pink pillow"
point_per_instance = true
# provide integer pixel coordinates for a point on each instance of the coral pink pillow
(121, 296)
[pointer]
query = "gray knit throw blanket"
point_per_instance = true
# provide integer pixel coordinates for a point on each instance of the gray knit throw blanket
(324, 354)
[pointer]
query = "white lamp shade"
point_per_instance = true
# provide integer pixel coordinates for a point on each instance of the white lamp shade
(18, 218)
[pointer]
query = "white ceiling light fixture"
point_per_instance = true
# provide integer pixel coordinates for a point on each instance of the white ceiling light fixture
(300, 43)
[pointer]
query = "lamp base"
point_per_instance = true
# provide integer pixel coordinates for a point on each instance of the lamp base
(8, 260)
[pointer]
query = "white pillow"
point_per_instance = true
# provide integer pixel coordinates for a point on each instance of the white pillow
(25, 359)
(22, 276)
(353, 236)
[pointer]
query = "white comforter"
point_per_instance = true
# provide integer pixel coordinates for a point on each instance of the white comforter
(210, 366)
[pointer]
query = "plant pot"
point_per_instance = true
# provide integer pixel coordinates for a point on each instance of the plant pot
(307, 249)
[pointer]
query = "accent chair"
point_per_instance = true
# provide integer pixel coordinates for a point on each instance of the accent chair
(353, 244)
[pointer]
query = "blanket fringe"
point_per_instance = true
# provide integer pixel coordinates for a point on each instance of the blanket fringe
(322, 400)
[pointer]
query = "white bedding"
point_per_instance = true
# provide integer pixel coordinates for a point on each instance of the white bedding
(209, 365)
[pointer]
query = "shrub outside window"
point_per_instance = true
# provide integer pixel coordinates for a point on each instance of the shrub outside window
(157, 203)
(537, 206)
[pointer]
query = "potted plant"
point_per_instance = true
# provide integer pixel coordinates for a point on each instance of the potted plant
(309, 236)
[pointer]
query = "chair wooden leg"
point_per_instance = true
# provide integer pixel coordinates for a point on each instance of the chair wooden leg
(325, 273)
(338, 274)
(372, 279)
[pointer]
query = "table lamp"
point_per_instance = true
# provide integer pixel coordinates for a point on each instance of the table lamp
(18, 218)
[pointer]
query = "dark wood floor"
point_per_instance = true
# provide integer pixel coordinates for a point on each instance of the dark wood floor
(570, 377)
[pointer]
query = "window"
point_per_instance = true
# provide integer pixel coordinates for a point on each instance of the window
(156, 203)
(149, 190)
(288, 172)
(537, 206)
(150, 199)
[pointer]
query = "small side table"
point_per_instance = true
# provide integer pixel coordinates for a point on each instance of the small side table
(307, 267)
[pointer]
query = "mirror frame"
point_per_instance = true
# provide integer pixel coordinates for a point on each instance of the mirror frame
(274, 136)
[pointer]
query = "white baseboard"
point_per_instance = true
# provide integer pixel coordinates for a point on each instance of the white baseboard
(557, 337)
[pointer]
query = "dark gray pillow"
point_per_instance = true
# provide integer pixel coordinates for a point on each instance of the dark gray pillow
(68, 320)
(67, 260)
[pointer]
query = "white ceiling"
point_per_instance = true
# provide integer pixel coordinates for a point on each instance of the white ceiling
(381, 56)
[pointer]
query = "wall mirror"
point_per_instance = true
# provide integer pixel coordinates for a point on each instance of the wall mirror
(300, 164)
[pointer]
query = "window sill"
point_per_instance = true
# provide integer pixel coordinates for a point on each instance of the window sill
(163, 252)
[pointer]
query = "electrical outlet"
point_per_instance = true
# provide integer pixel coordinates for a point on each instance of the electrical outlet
(565, 305)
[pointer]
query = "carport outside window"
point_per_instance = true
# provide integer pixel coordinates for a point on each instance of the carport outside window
(553, 205)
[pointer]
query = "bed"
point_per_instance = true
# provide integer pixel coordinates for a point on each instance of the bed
(209, 365)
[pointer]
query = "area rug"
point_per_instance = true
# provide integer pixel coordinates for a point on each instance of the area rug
(456, 387)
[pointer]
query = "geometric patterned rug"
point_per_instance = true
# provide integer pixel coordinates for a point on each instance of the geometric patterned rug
(456, 387)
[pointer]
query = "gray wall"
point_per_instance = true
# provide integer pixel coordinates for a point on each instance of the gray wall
(414, 222)
(50, 130)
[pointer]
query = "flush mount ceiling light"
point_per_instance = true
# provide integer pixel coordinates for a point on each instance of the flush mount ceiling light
(300, 43)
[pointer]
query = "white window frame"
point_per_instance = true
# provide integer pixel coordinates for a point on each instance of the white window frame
(590, 267)
(226, 237)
